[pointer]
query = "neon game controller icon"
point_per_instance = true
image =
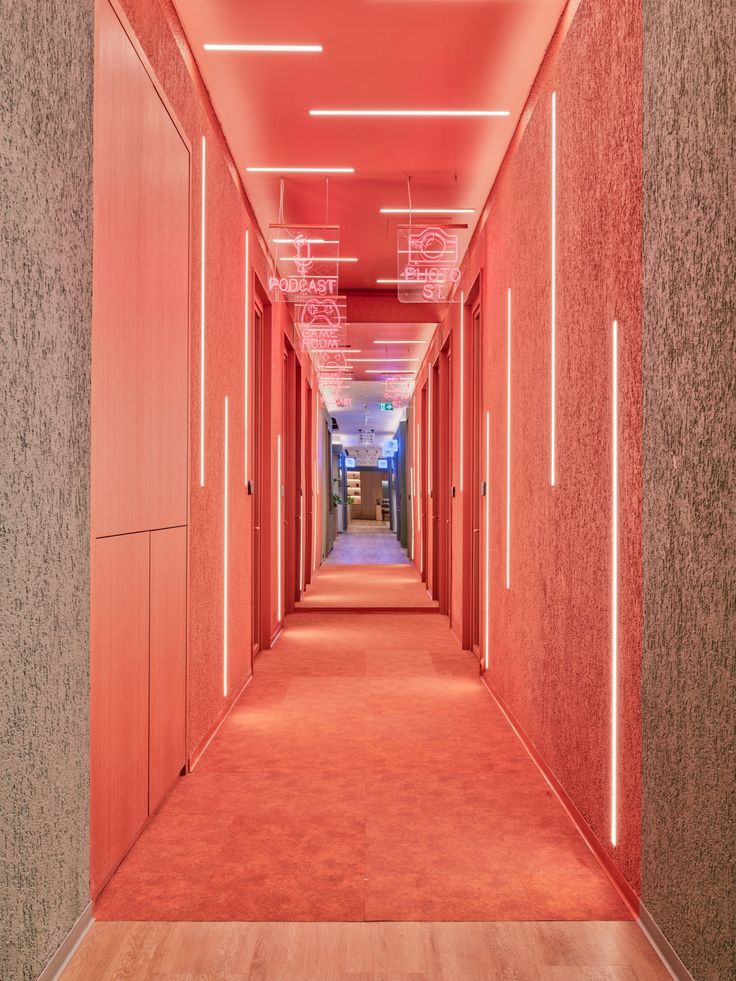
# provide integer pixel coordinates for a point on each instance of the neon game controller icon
(321, 313)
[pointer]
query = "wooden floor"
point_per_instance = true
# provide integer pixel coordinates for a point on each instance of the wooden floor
(541, 951)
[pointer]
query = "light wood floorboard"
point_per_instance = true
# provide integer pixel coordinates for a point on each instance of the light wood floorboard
(540, 951)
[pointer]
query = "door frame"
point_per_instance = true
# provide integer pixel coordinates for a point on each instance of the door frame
(471, 388)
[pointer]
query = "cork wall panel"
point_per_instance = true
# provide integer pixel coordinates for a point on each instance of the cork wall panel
(689, 351)
(550, 647)
(45, 318)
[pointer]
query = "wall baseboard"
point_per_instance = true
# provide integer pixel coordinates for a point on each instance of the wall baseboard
(622, 887)
(667, 953)
(68, 946)
(197, 753)
(643, 918)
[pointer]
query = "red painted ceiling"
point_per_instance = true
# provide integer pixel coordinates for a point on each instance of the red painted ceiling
(387, 54)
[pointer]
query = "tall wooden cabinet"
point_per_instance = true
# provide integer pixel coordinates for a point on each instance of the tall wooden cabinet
(139, 448)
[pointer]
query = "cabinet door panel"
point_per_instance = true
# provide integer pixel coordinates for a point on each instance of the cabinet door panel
(118, 700)
(141, 296)
(168, 659)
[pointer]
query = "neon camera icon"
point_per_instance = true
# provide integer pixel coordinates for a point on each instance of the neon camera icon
(432, 247)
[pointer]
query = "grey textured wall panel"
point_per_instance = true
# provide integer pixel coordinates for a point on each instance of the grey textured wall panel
(45, 325)
(689, 370)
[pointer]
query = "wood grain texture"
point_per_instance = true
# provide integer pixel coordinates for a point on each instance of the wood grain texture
(168, 647)
(360, 951)
(141, 297)
(118, 700)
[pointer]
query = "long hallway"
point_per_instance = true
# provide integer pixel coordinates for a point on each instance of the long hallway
(367, 490)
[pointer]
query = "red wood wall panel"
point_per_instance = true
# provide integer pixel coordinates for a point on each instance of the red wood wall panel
(168, 648)
(119, 700)
(141, 291)
(228, 215)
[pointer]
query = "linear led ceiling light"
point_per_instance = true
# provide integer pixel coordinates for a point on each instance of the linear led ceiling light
(318, 258)
(306, 241)
(409, 113)
(266, 48)
(427, 211)
(300, 170)
(390, 371)
(379, 360)
(399, 342)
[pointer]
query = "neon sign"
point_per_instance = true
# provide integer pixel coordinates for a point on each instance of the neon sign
(390, 447)
(428, 263)
(321, 324)
(312, 253)
(398, 389)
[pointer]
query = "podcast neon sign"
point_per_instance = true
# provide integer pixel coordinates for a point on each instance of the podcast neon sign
(299, 286)
(314, 254)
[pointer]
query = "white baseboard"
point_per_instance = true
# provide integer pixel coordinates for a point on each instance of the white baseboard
(667, 953)
(69, 944)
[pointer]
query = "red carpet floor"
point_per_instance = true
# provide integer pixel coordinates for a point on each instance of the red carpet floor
(366, 773)
(355, 586)
(367, 542)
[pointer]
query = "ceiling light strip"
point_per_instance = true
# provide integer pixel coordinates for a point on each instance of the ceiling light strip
(300, 170)
(409, 113)
(266, 48)
(427, 211)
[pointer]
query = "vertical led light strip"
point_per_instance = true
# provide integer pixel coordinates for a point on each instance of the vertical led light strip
(411, 510)
(314, 520)
(553, 303)
(201, 313)
(508, 440)
(419, 502)
(462, 389)
(301, 542)
(614, 589)
(488, 536)
(246, 379)
(278, 527)
(429, 430)
(316, 476)
(225, 556)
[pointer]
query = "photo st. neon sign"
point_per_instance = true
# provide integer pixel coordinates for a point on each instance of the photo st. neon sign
(428, 263)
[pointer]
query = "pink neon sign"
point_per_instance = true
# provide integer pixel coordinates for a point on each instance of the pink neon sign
(321, 324)
(428, 263)
(398, 388)
(306, 262)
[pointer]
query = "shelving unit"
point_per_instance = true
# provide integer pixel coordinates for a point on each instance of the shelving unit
(353, 480)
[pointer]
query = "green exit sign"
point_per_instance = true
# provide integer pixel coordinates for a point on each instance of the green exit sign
(386, 406)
